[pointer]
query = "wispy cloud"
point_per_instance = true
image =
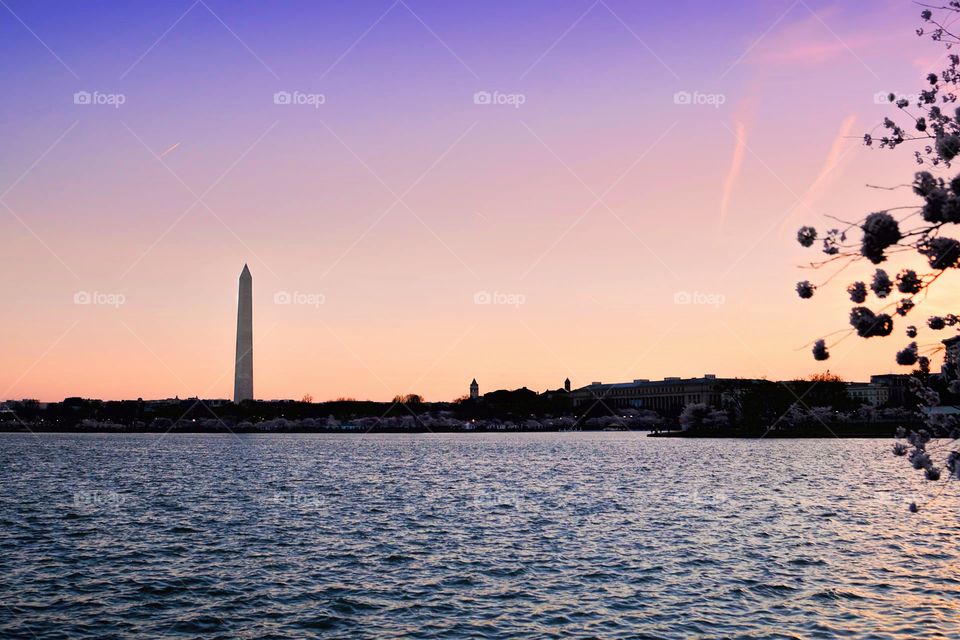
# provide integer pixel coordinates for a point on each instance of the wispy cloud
(733, 173)
(834, 157)
(813, 38)
(829, 171)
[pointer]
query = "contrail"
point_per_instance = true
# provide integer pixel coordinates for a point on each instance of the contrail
(734, 172)
(832, 164)
(169, 149)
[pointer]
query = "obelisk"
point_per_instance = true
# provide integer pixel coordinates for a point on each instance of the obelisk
(243, 374)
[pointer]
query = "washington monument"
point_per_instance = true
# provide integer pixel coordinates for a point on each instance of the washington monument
(243, 375)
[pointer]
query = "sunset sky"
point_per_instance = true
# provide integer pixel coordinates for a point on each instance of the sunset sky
(394, 203)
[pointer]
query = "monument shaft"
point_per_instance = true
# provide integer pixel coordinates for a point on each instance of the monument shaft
(243, 373)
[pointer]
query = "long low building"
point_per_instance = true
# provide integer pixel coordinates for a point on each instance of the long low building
(872, 393)
(667, 396)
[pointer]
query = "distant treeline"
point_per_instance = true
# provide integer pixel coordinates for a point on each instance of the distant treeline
(820, 405)
(406, 413)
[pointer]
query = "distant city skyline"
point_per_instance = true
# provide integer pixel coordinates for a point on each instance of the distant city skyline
(433, 192)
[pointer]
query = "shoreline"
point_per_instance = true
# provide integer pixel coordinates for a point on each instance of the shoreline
(751, 435)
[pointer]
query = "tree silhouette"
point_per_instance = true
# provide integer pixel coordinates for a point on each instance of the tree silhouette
(908, 233)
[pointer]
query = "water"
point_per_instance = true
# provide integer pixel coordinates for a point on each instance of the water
(469, 535)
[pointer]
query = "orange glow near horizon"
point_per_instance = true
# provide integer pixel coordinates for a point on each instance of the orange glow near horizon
(406, 237)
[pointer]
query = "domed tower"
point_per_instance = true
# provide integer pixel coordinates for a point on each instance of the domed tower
(474, 390)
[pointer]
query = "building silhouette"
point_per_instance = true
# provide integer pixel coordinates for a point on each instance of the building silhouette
(243, 372)
(873, 393)
(474, 390)
(668, 396)
(951, 356)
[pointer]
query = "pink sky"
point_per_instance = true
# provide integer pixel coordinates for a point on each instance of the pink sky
(399, 199)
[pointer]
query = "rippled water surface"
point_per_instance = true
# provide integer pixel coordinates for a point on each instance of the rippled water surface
(469, 535)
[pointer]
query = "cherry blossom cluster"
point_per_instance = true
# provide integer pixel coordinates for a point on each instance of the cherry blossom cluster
(917, 231)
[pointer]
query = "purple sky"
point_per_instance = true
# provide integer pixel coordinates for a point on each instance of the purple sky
(586, 200)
